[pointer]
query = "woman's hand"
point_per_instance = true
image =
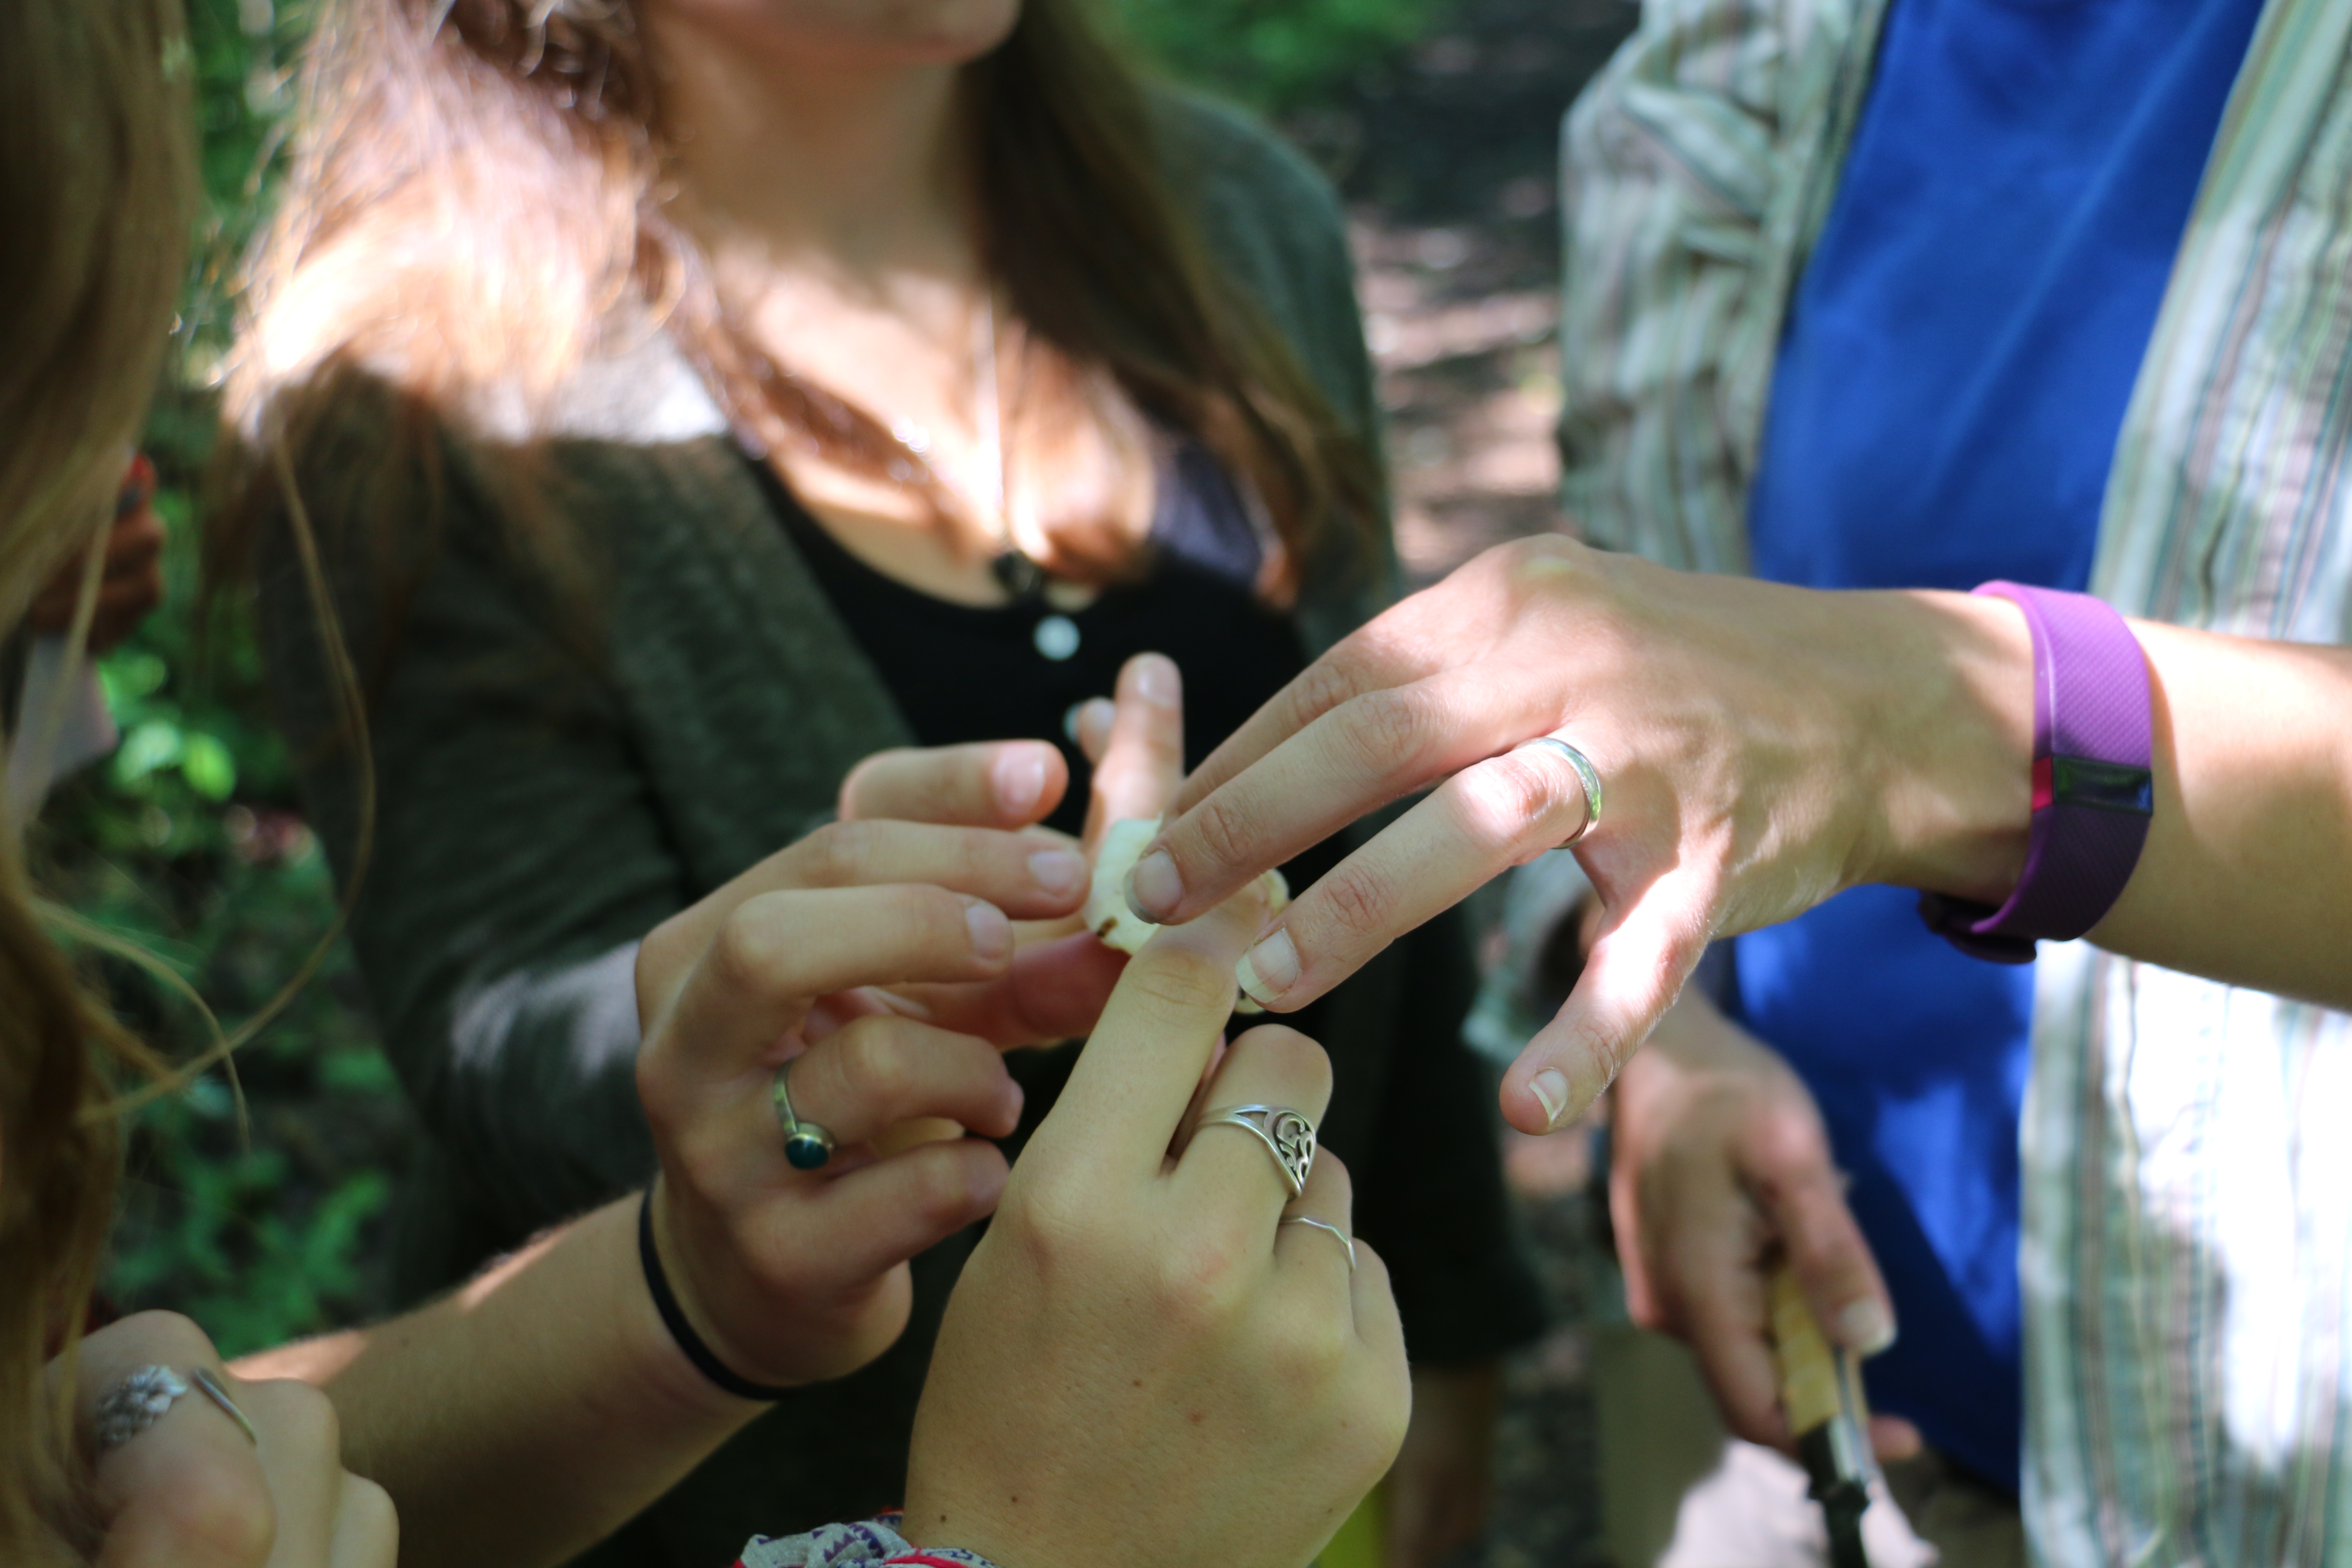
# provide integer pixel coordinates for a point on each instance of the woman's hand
(1760, 747)
(798, 1275)
(1141, 1360)
(193, 1491)
(1720, 1169)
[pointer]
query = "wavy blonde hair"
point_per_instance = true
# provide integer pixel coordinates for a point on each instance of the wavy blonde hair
(96, 164)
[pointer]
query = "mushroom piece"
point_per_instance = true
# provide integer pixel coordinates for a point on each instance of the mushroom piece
(1108, 914)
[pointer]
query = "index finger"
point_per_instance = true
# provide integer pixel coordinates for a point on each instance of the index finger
(1134, 1080)
(1355, 758)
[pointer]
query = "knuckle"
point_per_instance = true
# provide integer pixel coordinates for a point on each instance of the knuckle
(838, 854)
(1357, 899)
(1201, 1284)
(1324, 685)
(743, 952)
(1509, 799)
(1223, 830)
(1179, 980)
(1294, 1060)
(301, 1416)
(874, 1065)
(166, 1337)
(1305, 1355)
(940, 1192)
(1382, 731)
(1056, 1225)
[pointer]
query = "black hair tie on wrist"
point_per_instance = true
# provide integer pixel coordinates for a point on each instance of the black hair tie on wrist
(673, 1318)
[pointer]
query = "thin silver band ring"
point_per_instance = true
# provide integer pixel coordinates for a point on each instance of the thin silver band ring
(1344, 1239)
(1288, 1136)
(209, 1386)
(1586, 774)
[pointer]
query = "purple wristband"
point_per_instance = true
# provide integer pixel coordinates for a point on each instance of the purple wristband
(2093, 790)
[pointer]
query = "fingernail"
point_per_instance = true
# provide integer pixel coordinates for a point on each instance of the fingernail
(1157, 681)
(1060, 872)
(1153, 888)
(1269, 970)
(1550, 1089)
(992, 933)
(1865, 1326)
(1019, 776)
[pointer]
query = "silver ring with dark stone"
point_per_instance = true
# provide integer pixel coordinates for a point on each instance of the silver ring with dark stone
(807, 1146)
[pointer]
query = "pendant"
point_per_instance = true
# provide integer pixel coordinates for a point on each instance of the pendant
(1056, 637)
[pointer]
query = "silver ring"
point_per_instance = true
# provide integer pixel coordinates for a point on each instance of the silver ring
(138, 1401)
(807, 1146)
(1586, 774)
(1287, 1135)
(209, 1386)
(1344, 1239)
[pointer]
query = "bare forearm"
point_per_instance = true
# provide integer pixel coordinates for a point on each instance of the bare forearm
(2247, 873)
(527, 1414)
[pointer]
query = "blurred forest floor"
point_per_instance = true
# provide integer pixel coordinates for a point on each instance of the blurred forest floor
(1448, 160)
(263, 1209)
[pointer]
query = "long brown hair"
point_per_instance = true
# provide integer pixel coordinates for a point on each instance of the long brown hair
(475, 208)
(96, 178)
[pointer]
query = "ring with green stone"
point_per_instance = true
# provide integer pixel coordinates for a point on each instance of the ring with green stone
(807, 1146)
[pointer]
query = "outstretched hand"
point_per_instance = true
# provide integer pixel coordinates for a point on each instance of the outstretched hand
(1754, 760)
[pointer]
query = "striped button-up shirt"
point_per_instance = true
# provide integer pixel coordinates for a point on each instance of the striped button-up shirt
(2187, 1261)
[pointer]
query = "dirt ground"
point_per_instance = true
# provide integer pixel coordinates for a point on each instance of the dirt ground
(1448, 163)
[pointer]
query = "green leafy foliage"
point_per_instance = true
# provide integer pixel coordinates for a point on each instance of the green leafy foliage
(1274, 54)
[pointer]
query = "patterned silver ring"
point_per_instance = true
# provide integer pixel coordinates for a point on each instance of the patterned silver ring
(140, 1400)
(1344, 1239)
(807, 1146)
(1586, 774)
(1287, 1135)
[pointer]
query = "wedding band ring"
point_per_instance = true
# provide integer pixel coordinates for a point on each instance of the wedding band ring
(1586, 774)
(1344, 1239)
(807, 1146)
(1288, 1136)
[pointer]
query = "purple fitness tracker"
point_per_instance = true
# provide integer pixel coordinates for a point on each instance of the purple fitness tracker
(2093, 790)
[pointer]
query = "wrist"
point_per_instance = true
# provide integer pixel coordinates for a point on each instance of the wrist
(693, 1361)
(1951, 744)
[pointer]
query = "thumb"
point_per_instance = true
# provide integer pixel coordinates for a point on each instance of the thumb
(1632, 976)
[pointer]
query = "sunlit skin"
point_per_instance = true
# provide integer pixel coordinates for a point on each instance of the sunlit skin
(822, 165)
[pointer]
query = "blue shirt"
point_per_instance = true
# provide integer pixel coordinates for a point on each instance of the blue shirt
(1954, 372)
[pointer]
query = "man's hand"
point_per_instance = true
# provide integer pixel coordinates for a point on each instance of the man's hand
(1759, 747)
(1719, 1167)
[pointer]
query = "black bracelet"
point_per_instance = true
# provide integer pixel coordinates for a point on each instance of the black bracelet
(673, 1318)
